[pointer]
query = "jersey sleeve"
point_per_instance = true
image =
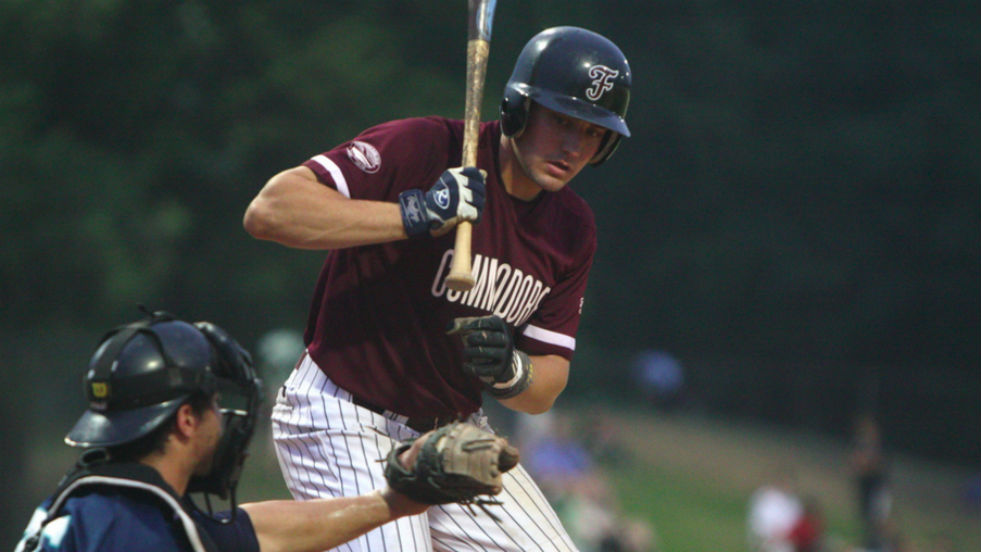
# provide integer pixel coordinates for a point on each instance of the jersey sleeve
(386, 160)
(552, 329)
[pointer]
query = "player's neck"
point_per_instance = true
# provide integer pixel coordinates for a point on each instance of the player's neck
(176, 473)
(514, 175)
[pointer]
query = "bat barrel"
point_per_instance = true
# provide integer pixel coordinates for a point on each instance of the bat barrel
(477, 53)
(481, 19)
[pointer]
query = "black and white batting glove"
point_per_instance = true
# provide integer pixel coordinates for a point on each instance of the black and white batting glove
(457, 195)
(489, 354)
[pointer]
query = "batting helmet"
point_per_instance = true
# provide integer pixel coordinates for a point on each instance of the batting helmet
(141, 373)
(573, 71)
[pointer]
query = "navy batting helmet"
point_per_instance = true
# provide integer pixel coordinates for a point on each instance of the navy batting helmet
(573, 71)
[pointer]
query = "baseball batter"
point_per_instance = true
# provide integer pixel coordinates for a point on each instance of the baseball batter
(391, 351)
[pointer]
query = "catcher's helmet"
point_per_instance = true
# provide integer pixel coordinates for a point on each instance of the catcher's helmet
(573, 71)
(141, 373)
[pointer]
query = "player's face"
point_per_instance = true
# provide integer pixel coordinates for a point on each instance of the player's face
(552, 150)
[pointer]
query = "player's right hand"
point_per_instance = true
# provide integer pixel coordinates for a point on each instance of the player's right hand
(457, 195)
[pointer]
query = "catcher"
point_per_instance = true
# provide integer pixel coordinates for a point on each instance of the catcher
(172, 408)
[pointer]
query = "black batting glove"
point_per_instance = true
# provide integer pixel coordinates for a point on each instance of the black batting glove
(490, 356)
(457, 195)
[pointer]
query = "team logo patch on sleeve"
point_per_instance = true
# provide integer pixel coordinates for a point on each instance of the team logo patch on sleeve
(364, 156)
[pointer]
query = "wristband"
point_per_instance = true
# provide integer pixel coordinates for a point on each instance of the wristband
(412, 204)
(521, 380)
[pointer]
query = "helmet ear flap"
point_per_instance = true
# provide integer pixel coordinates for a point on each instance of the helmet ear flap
(514, 112)
(609, 145)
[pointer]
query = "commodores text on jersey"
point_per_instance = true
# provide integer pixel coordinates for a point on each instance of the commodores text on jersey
(498, 288)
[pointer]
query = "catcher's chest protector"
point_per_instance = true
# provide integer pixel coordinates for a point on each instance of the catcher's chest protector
(126, 476)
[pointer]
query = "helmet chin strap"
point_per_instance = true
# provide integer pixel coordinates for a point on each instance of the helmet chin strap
(519, 161)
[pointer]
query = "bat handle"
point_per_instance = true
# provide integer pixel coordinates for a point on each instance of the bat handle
(460, 277)
(480, 15)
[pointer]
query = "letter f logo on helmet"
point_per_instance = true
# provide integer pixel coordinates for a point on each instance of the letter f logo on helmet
(602, 81)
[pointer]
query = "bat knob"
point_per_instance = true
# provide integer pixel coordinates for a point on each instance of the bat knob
(460, 282)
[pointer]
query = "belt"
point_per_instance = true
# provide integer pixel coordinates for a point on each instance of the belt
(420, 424)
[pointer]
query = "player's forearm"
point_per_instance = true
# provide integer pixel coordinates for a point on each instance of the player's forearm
(550, 374)
(296, 210)
(315, 525)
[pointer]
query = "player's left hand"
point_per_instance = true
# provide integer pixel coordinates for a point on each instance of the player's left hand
(490, 355)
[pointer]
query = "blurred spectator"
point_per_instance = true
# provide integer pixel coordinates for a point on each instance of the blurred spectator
(661, 379)
(807, 533)
(890, 538)
(971, 492)
(531, 429)
(603, 438)
(276, 354)
(555, 454)
(590, 513)
(870, 472)
(596, 522)
(552, 454)
(774, 508)
(637, 535)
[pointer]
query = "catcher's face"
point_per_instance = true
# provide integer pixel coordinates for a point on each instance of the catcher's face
(206, 438)
(551, 151)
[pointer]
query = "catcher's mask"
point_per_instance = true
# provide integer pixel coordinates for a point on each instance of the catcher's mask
(143, 372)
(573, 71)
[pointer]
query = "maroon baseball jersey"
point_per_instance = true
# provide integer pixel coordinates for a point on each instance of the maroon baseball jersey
(379, 315)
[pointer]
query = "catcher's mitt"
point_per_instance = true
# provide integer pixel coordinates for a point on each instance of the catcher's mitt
(457, 463)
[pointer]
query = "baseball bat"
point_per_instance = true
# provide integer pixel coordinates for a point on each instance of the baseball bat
(480, 17)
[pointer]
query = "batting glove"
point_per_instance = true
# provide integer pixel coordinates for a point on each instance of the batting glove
(489, 354)
(457, 195)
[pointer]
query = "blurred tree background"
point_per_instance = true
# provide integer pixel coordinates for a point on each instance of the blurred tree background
(796, 217)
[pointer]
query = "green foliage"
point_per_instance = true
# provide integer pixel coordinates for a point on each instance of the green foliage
(806, 166)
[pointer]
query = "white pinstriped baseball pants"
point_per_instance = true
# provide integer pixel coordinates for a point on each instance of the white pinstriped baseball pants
(328, 446)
